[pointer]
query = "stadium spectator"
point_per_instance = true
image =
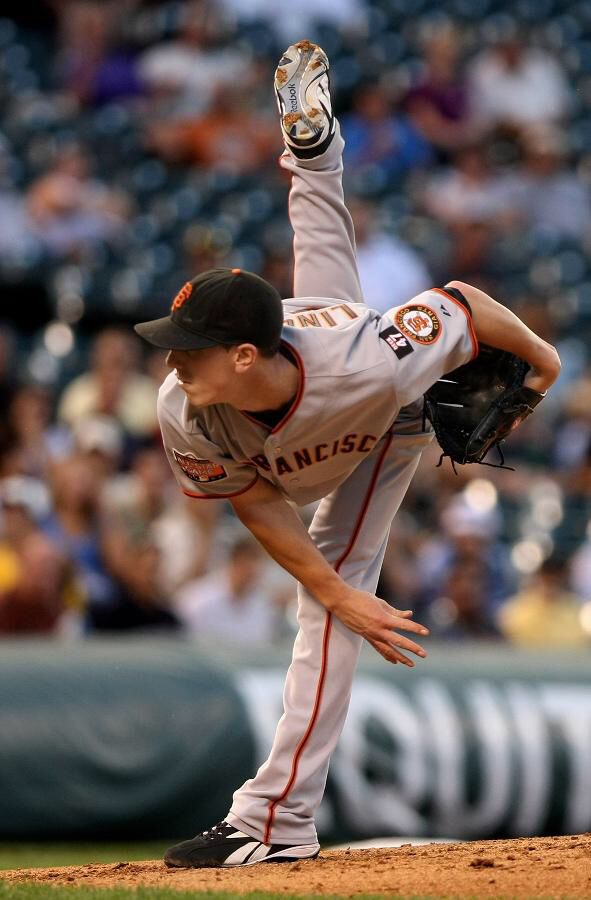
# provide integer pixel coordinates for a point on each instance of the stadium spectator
(301, 17)
(29, 417)
(472, 200)
(36, 584)
(379, 140)
(399, 579)
(235, 603)
(114, 386)
(74, 525)
(135, 498)
(550, 195)
(92, 66)
(189, 537)
(469, 191)
(138, 604)
(70, 211)
(100, 441)
(514, 85)
(545, 613)
(390, 271)
(468, 535)
(438, 103)
(144, 502)
(232, 135)
(460, 610)
(183, 74)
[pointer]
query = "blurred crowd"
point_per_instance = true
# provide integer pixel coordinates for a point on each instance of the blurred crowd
(138, 146)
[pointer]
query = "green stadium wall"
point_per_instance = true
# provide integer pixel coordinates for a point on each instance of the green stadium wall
(141, 739)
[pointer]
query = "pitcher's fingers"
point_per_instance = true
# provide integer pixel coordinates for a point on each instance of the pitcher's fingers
(384, 650)
(403, 613)
(400, 657)
(408, 625)
(392, 654)
(398, 640)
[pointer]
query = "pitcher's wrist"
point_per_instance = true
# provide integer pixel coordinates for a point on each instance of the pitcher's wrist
(329, 592)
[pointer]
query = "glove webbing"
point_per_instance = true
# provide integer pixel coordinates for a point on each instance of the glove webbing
(444, 455)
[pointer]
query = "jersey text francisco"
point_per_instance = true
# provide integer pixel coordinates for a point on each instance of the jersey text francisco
(317, 453)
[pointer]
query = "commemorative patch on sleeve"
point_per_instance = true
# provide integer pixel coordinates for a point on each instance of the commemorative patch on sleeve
(200, 470)
(396, 342)
(418, 322)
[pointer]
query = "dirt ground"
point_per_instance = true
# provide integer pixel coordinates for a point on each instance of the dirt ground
(528, 867)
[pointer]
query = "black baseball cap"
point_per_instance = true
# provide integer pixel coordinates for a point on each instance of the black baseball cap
(220, 306)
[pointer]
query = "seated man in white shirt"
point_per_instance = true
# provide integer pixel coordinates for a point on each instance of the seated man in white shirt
(235, 603)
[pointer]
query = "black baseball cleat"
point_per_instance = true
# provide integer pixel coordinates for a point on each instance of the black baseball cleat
(303, 97)
(225, 846)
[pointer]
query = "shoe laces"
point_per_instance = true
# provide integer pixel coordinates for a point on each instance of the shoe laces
(222, 829)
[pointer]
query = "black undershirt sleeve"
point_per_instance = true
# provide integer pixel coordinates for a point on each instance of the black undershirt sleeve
(457, 295)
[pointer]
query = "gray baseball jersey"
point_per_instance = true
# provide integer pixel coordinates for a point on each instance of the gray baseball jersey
(357, 370)
(352, 438)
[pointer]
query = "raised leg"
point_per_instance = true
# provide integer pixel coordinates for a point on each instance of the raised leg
(324, 240)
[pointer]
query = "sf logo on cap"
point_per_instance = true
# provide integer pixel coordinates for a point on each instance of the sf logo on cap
(182, 296)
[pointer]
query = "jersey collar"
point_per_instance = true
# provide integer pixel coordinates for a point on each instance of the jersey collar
(301, 386)
(296, 400)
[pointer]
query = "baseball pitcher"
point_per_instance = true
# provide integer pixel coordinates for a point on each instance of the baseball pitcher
(317, 398)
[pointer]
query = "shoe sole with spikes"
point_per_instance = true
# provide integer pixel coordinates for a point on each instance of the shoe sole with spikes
(303, 97)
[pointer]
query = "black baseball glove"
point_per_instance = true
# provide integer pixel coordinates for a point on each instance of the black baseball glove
(475, 407)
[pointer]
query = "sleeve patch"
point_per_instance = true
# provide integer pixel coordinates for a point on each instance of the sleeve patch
(396, 342)
(418, 322)
(201, 471)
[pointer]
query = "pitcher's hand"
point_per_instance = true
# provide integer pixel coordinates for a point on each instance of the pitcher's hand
(379, 624)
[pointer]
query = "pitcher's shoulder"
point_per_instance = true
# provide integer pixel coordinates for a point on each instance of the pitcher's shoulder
(333, 341)
(170, 398)
(168, 386)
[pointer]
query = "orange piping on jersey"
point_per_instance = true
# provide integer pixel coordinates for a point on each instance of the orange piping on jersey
(475, 344)
(222, 496)
(301, 386)
(363, 512)
(325, 641)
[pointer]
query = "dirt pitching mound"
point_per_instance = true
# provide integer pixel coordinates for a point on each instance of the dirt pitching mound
(528, 867)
